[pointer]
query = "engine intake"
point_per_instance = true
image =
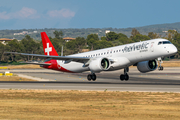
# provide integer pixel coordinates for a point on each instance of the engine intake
(147, 66)
(99, 64)
(105, 63)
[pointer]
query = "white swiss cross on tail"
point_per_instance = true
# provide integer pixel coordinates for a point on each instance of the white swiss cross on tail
(48, 49)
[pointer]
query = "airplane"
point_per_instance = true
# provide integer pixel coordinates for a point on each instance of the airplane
(143, 54)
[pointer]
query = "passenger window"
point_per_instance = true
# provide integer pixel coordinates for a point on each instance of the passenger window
(107, 52)
(116, 50)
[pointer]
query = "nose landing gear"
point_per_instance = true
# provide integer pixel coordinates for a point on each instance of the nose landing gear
(160, 68)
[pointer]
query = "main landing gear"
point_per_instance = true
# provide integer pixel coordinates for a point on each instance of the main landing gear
(91, 77)
(160, 68)
(125, 76)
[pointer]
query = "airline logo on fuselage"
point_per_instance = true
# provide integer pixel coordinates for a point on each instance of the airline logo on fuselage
(48, 49)
(58, 64)
(142, 47)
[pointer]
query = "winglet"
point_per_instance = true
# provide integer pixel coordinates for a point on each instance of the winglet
(47, 45)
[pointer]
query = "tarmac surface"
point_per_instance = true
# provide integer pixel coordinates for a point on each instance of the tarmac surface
(167, 80)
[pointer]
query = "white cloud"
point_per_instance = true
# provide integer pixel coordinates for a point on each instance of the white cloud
(26, 13)
(3, 15)
(22, 14)
(63, 13)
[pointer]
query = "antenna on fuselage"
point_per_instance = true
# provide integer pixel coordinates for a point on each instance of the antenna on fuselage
(62, 51)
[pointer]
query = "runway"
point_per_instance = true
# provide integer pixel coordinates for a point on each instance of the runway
(156, 81)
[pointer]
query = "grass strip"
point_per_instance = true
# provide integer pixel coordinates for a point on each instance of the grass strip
(89, 105)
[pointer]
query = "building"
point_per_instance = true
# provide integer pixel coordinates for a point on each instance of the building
(85, 50)
(107, 31)
(22, 33)
(67, 39)
(3, 40)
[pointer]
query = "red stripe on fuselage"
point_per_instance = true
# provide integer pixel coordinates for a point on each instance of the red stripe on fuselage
(55, 66)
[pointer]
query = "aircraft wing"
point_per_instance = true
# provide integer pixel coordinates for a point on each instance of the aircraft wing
(66, 58)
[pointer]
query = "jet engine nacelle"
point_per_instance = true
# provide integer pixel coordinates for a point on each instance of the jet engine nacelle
(100, 64)
(147, 66)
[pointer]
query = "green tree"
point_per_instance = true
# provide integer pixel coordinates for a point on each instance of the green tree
(91, 40)
(29, 45)
(175, 39)
(103, 38)
(57, 43)
(172, 34)
(153, 35)
(134, 32)
(71, 45)
(14, 46)
(123, 39)
(140, 37)
(3, 48)
(80, 42)
(102, 44)
(111, 36)
(76, 45)
(58, 34)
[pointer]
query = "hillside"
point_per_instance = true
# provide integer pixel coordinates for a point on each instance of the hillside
(73, 32)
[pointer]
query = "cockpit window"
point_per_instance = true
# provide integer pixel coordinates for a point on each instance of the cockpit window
(167, 42)
(164, 42)
(159, 43)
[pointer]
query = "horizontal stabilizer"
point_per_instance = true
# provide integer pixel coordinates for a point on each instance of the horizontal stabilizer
(37, 63)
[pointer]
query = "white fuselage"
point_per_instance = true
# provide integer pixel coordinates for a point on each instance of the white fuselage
(124, 55)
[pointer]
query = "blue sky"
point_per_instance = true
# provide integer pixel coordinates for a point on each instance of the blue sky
(32, 14)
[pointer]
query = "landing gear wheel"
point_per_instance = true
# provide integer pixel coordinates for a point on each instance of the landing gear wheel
(160, 68)
(126, 77)
(93, 77)
(89, 77)
(122, 77)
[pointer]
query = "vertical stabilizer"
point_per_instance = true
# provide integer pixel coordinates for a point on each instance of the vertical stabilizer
(47, 45)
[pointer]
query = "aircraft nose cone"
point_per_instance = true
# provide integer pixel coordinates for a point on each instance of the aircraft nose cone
(173, 50)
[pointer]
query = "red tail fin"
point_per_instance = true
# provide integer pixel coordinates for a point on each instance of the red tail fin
(47, 45)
